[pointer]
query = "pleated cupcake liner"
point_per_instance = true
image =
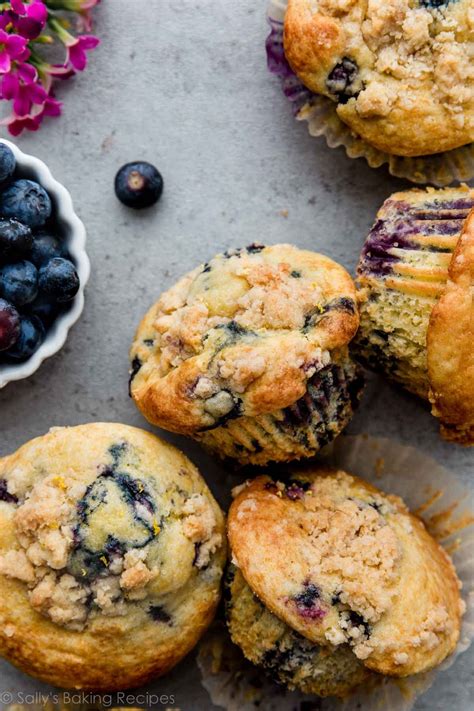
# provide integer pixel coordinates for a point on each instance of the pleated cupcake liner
(445, 505)
(402, 273)
(300, 430)
(319, 112)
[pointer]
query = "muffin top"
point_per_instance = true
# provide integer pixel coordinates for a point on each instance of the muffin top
(111, 537)
(342, 563)
(450, 342)
(240, 335)
(401, 72)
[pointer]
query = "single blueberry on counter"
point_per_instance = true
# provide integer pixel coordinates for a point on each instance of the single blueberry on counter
(30, 338)
(7, 163)
(19, 283)
(58, 279)
(138, 185)
(45, 246)
(26, 201)
(9, 325)
(15, 240)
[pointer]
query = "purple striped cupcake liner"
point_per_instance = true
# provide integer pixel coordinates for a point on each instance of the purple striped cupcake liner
(439, 169)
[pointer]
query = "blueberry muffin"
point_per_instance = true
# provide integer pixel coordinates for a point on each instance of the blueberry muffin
(111, 541)
(286, 656)
(415, 279)
(347, 567)
(400, 72)
(248, 354)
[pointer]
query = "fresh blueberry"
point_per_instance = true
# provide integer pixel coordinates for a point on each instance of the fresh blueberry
(45, 247)
(58, 279)
(26, 201)
(9, 325)
(341, 82)
(7, 163)
(138, 185)
(19, 283)
(44, 309)
(15, 240)
(30, 338)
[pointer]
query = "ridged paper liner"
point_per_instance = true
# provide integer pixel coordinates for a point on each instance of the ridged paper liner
(446, 507)
(300, 430)
(319, 112)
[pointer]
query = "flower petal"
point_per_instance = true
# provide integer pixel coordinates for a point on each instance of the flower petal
(26, 72)
(17, 125)
(5, 62)
(15, 45)
(9, 86)
(38, 11)
(88, 41)
(18, 7)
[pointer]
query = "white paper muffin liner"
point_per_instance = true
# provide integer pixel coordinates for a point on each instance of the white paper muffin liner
(445, 506)
(319, 112)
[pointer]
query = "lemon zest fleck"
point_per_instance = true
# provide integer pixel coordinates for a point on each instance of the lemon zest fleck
(156, 527)
(104, 560)
(60, 482)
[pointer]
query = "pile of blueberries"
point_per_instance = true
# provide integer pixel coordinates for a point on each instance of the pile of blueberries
(37, 277)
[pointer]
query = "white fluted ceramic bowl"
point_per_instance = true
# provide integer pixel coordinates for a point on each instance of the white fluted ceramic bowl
(74, 234)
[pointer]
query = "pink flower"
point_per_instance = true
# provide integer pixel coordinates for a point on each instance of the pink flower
(26, 77)
(72, 5)
(11, 47)
(76, 51)
(23, 87)
(32, 122)
(77, 47)
(29, 20)
(16, 125)
(82, 7)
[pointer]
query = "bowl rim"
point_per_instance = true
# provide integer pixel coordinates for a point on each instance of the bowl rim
(76, 238)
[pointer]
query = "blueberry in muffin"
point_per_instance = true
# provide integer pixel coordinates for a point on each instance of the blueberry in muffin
(415, 279)
(248, 354)
(347, 568)
(111, 541)
(401, 73)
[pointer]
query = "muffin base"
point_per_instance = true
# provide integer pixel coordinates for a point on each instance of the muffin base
(287, 657)
(402, 273)
(297, 431)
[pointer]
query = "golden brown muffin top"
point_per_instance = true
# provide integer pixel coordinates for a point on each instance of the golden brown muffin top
(342, 563)
(240, 335)
(450, 345)
(111, 540)
(401, 72)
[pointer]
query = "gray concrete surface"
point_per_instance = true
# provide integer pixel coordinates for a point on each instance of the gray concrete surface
(183, 84)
